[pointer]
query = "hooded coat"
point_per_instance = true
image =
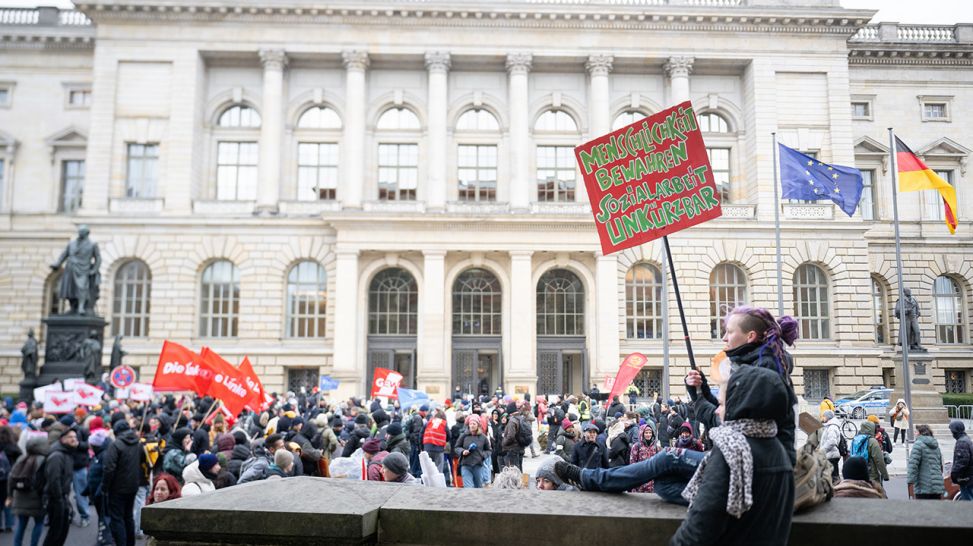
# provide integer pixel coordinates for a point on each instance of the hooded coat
(752, 393)
(399, 442)
(899, 415)
(962, 470)
(643, 451)
(196, 482)
(28, 503)
(122, 465)
(925, 468)
(877, 472)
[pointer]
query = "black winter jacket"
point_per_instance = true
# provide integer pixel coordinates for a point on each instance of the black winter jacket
(589, 455)
(122, 462)
(58, 473)
(239, 454)
(619, 451)
(962, 470)
(399, 443)
(355, 440)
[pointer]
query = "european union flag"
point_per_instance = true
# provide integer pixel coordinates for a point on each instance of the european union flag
(803, 177)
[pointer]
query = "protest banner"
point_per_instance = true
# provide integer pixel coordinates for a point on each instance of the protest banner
(256, 399)
(72, 383)
(649, 179)
(626, 373)
(180, 369)
(386, 383)
(141, 392)
(58, 401)
(39, 391)
(409, 398)
(87, 395)
(228, 384)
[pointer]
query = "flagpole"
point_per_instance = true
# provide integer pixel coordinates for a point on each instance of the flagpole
(665, 325)
(903, 338)
(780, 274)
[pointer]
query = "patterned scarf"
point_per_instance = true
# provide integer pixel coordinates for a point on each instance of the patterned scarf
(731, 438)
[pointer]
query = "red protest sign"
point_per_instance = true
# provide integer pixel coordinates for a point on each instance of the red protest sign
(227, 384)
(626, 373)
(180, 369)
(649, 179)
(386, 383)
(255, 401)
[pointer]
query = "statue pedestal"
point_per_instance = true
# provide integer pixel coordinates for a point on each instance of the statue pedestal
(65, 333)
(27, 386)
(927, 402)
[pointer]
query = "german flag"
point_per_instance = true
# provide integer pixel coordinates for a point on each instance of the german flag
(914, 175)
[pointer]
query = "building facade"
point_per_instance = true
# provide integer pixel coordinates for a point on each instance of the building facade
(330, 188)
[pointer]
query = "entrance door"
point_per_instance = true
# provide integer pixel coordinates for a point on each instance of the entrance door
(648, 381)
(302, 377)
(477, 365)
(562, 365)
(392, 354)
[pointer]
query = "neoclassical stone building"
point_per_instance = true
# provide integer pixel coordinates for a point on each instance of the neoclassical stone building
(329, 187)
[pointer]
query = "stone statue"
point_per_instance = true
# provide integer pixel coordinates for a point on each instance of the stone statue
(116, 353)
(29, 362)
(90, 356)
(81, 279)
(908, 311)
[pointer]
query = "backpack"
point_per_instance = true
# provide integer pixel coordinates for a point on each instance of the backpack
(812, 476)
(4, 466)
(29, 476)
(842, 446)
(859, 447)
(524, 436)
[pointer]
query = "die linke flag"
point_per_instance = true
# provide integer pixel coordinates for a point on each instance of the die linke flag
(386, 383)
(649, 179)
(626, 373)
(255, 400)
(180, 369)
(228, 384)
(914, 175)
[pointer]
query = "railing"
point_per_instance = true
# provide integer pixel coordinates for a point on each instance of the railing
(19, 16)
(925, 33)
(73, 18)
(964, 412)
(43, 17)
(866, 34)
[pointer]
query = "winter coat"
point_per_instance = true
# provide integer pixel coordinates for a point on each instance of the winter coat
(752, 393)
(355, 440)
(122, 465)
(96, 473)
(240, 453)
(876, 460)
(962, 460)
(58, 473)
(509, 442)
(565, 443)
(196, 482)
(830, 438)
(858, 489)
(643, 451)
(29, 503)
(477, 456)
(900, 416)
(619, 450)
(373, 468)
(925, 468)
(175, 461)
(589, 455)
(307, 450)
(329, 442)
(400, 443)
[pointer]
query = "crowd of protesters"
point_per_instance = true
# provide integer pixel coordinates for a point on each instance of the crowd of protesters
(729, 457)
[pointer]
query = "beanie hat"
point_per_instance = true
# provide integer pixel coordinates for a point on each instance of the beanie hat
(546, 471)
(424, 407)
(115, 417)
(207, 461)
(828, 415)
(380, 417)
(873, 418)
(321, 420)
(394, 429)
(566, 423)
(336, 422)
(396, 463)
(372, 446)
(96, 423)
(120, 426)
(361, 419)
(284, 424)
(67, 420)
(283, 458)
(240, 437)
(297, 421)
(855, 468)
(957, 428)
(512, 407)
(98, 438)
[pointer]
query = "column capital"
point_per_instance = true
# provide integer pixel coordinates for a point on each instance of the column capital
(434, 254)
(345, 253)
(354, 59)
(521, 254)
(273, 59)
(677, 67)
(437, 61)
(519, 63)
(599, 65)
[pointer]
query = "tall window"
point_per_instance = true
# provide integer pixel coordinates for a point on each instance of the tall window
(627, 118)
(560, 304)
(949, 310)
(393, 303)
(477, 119)
(219, 302)
(727, 289)
(477, 172)
(711, 122)
(72, 184)
(811, 305)
(142, 174)
(719, 160)
(879, 311)
(131, 299)
(933, 201)
(867, 206)
(398, 171)
(557, 133)
(317, 171)
(307, 300)
(237, 153)
(643, 302)
(720, 142)
(477, 303)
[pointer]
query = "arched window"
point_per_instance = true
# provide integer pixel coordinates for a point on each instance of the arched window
(719, 147)
(398, 118)
(556, 133)
(317, 132)
(131, 299)
(811, 303)
(727, 289)
(219, 302)
(711, 122)
(880, 311)
(557, 121)
(237, 153)
(307, 300)
(949, 310)
(477, 119)
(560, 304)
(478, 132)
(241, 116)
(319, 117)
(627, 118)
(643, 302)
(477, 303)
(398, 161)
(393, 303)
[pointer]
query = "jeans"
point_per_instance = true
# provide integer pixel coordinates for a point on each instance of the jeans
(834, 470)
(474, 476)
(671, 469)
(35, 533)
(59, 519)
(122, 522)
(140, 497)
(79, 483)
(966, 491)
(514, 458)
(895, 438)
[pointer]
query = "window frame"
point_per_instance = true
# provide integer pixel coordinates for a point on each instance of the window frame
(867, 116)
(880, 311)
(222, 134)
(62, 201)
(152, 191)
(206, 312)
(399, 137)
(121, 318)
(70, 89)
(871, 186)
(398, 167)
(409, 290)
(316, 136)
(728, 140)
(542, 138)
(236, 185)
(717, 326)
(315, 323)
(822, 319)
(958, 328)
(9, 87)
(644, 113)
(654, 289)
(318, 168)
(477, 137)
(578, 296)
(928, 100)
(470, 306)
(932, 202)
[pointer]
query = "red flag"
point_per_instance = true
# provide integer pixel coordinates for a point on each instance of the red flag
(180, 369)
(626, 373)
(256, 399)
(386, 383)
(228, 384)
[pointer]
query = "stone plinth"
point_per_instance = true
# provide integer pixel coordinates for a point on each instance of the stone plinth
(307, 510)
(927, 403)
(62, 342)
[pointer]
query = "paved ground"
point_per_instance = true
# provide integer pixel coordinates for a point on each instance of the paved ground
(77, 536)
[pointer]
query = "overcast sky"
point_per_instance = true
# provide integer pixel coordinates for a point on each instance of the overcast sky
(902, 11)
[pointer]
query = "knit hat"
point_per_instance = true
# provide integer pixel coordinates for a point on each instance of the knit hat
(98, 438)
(546, 471)
(115, 417)
(474, 419)
(96, 423)
(873, 418)
(372, 446)
(590, 426)
(855, 468)
(284, 424)
(207, 461)
(396, 463)
(240, 437)
(512, 407)
(321, 420)
(120, 426)
(297, 421)
(566, 423)
(67, 420)
(283, 458)
(424, 407)
(394, 429)
(380, 417)
(957, 428)
(361, 419)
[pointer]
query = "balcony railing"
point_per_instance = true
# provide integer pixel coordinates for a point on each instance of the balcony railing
(923, 34)
(44, 16)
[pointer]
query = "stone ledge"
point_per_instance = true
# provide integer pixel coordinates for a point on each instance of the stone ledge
(308, 510)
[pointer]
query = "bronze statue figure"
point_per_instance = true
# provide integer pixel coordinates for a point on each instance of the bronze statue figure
(90, 356)
(116, 353)
(81, 279)
(908, 312)
(29, 351)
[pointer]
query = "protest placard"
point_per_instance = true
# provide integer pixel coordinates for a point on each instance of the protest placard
(386, 383)
(58, 401)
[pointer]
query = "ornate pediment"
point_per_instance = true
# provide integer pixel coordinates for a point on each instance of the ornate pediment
(946, 149)
(869, 148)
(68, 137)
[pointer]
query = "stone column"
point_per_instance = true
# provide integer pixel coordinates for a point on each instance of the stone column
(433, 365)
(606, 281)
(348, 367)
(352, 152)
(185, 136)
(518, 66)
(437, 63)
(271, 130)
(678, 69)
(599, 99)
(520, 362)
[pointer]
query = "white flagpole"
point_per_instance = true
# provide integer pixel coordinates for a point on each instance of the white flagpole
(903, 338)
(665, 326)
(780, 274)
